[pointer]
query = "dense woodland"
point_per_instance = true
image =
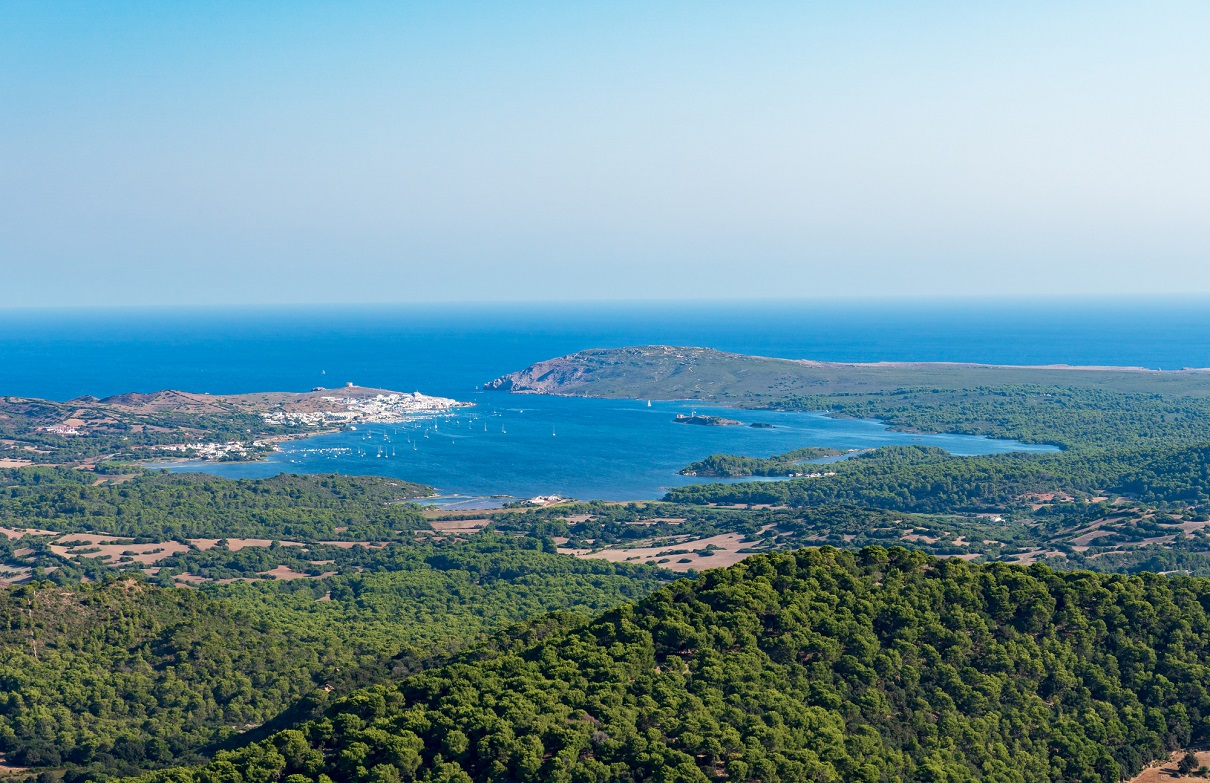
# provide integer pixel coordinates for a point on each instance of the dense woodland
(820, 665)
(162, 506)
(105, 678)
(927, 479)
(1067, 416)
(732, 466)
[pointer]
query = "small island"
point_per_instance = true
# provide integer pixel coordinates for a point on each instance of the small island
(706, 421)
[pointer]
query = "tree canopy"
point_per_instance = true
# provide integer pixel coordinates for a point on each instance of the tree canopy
(817, 665)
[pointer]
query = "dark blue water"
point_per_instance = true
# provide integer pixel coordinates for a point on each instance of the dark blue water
(451, 349)
(600, 449)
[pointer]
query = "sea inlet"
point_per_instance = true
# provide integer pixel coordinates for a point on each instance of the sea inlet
(519, 446)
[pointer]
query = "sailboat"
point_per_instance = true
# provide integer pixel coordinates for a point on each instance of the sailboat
(649, 403)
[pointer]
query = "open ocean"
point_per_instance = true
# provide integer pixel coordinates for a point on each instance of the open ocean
(583, 448)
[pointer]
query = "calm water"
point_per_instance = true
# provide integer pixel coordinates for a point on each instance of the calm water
(451, 350)
(527, 445)
(600, 449)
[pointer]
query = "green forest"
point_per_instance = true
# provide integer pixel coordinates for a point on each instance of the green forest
(105, 678)
(160, 505)
(819, 665)
(928, 479)
(732, 466)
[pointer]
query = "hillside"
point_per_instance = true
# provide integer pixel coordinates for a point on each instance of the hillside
(109, 678)
(818, 665)
(669, 372)
(127, 672)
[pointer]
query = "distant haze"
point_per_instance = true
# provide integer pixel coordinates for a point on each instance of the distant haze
(279, 152)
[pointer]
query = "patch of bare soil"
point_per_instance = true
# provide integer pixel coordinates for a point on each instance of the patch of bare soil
(236, 544)
(460, 525)
(1030, 556)
(285, 572)
(135, 553)
(351, 544)
(18, 532)
(1165, 772)
(726, 554)
(9, 769)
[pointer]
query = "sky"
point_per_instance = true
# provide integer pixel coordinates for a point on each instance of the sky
(185, 153)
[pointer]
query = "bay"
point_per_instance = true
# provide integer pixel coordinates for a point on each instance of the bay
(580, 448)
(529, 445)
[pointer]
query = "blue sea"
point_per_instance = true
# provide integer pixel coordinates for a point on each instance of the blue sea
(581, 448)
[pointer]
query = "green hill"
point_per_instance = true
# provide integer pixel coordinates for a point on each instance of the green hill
(674, 372)
(104, 679)
(821, 665)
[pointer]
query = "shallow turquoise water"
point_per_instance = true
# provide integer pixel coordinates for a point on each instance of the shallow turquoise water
(527, 445)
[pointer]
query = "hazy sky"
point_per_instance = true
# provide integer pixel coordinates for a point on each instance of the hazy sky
(226, 152)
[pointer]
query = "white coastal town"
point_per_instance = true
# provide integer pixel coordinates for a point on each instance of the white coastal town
(379, 409)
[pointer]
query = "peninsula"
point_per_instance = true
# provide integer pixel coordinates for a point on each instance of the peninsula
(665, 372)
(87, 431)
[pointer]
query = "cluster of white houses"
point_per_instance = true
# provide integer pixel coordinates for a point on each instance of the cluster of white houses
(379, 409)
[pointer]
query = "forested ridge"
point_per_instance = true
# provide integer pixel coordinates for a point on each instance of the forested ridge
(817, 665)
(126, 672)
(107, 678)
